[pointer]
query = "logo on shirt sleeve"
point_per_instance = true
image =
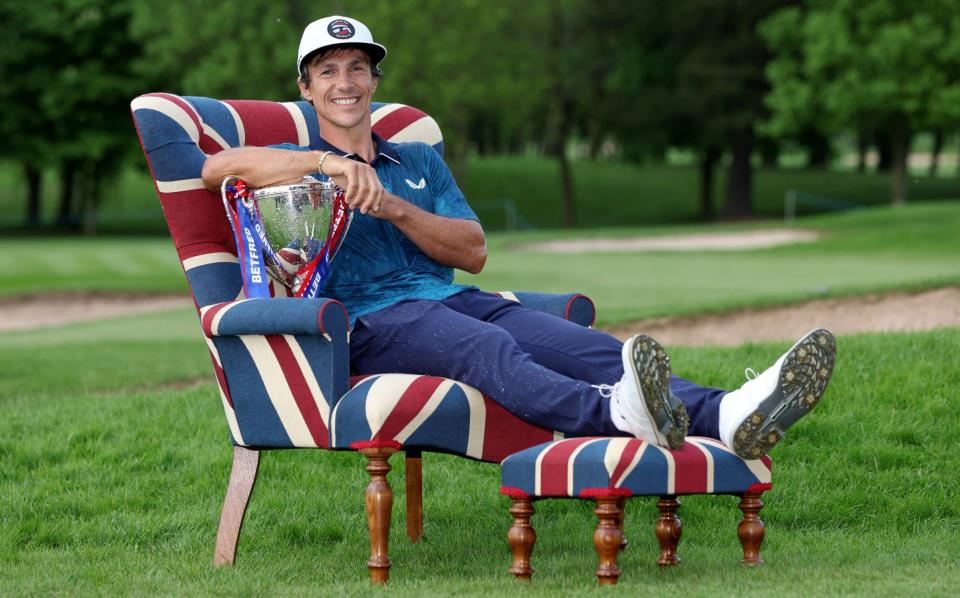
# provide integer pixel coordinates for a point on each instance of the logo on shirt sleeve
(421, 185)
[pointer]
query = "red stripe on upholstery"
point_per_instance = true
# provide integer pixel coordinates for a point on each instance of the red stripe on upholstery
(207, 321)
(766, 461)
(221, 380)
(629, 451)
(505, 434)
(554, 466)
(691, 470)
(305, 400)
(412, 400)
(362, 444)
(513, 492)
(326, 304)
(396, 121)
(265, 123)
(601, 492)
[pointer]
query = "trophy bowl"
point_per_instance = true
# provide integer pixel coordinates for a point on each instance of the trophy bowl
(293, 230)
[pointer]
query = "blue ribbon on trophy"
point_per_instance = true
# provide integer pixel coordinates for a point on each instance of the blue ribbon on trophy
(290, 233)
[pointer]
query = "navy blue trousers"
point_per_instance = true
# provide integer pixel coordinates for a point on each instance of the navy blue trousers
(539, 367)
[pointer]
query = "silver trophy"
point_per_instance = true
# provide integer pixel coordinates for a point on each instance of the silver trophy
(300, 226)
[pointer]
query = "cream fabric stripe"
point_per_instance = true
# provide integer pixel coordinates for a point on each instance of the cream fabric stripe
(537, 471)
(181, 185)
(217, 257)
(709, 456)
(312, 383)
(425, 129)
(572, 460)
(611, 456)
(215, 135)
(215, 323)
(385, 111)
(227, 409)
(508, 295)
(558, 436)
(303, 135)
(171, 110)
(241, 132)
(633, 465)
(383, 396)
(426, 411)
(671, 468)
(478, 421)
(277, 390)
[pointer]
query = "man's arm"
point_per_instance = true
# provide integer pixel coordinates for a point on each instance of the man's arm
(452, 242)
(258, 166)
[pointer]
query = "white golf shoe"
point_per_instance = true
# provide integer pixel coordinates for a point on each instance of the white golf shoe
(755, 417)
(641, 404)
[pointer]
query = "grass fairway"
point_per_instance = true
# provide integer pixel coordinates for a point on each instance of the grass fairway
(876, 249)
(114, 471)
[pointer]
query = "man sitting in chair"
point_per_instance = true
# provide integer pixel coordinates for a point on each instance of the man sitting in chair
(394, 273)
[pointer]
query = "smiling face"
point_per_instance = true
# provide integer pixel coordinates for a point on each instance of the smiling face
(340, 83)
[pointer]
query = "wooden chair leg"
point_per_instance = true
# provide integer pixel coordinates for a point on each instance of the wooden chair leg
(607, 538)
(414, 468)
(243, 475)
(751, 528)
(622, 505)
(669, 529)
(521, 538)
(379, 500)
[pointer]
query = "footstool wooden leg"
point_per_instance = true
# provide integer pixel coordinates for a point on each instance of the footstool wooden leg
(379, 499)
(521, 537)
(668, 530)
(622, 505)
(751, 529)
(607, 538)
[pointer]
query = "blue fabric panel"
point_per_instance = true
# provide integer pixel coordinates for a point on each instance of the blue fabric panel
(588, 469)
(731, 475)
(349, 421)
(321, 355)
(215, 283)
(259, 423)
(518, 470)
(447, 428)
(173, 155)
(279, 315)
(649, 475)
(216, 114)
(581, 313)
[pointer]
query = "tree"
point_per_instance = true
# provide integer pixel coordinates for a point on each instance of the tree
(889, 66)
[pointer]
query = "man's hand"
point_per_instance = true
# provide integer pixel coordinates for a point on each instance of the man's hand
(362, 187)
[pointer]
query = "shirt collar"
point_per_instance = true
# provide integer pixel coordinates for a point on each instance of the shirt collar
(385, 149)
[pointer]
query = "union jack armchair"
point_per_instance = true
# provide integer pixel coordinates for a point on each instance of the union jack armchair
(282, 364)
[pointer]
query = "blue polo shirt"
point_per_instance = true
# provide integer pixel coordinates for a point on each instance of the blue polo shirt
(377, 265)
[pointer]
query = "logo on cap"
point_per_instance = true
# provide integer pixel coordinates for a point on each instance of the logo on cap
(341, 29)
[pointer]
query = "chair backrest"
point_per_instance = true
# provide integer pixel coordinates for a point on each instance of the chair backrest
(177, 134)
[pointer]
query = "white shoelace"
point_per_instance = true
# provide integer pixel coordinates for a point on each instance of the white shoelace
(750, 374)
(606, 390)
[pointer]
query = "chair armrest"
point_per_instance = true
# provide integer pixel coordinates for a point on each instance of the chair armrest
(276, 315)
(576, 307)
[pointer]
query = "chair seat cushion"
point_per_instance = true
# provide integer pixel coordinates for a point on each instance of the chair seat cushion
(429, 413)
(583, 467)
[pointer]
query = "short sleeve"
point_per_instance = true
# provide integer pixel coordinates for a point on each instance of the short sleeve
(448, 200)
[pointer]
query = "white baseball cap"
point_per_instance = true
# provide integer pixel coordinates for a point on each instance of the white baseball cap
(338, 31)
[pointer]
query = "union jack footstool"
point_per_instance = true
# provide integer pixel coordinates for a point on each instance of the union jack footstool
(611, 470)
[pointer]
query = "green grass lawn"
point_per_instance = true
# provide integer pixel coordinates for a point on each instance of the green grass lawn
(869, 250)
(115, 458)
